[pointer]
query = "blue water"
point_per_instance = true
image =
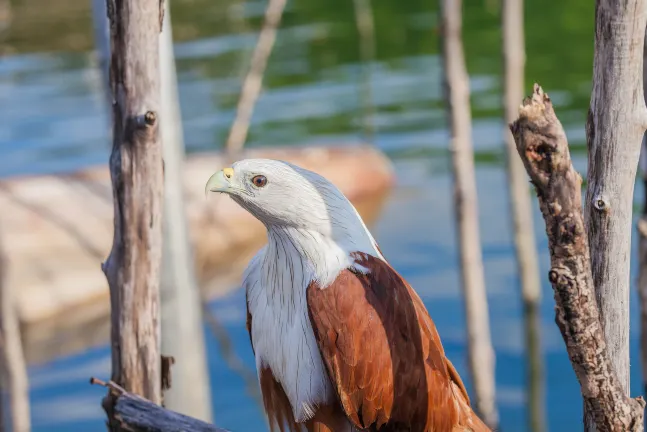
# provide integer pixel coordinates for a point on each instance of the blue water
(54, 120)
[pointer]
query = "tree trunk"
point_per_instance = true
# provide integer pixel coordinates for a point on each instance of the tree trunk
(254, 79)
(541, 143)
(615, 127)
(521, 209)
(13, 369)
(182, 324)
(133, 267)
(480, 351)
(642, 242)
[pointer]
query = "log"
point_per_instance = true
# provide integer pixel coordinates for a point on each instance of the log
(521, 210)
(615, 126)
(136, 414)
(133, 266)
(58, 226)
(543, 148)
(480, 352)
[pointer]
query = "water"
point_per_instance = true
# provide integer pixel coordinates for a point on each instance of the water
(54, 120)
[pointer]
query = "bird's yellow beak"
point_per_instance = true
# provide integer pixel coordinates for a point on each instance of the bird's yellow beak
(220, 181)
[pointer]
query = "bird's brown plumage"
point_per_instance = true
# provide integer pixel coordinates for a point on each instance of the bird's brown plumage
(383, 356)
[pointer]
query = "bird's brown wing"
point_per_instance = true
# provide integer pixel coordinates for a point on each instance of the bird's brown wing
(384, 355)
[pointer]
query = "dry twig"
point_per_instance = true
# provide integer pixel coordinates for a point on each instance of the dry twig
(542, 145)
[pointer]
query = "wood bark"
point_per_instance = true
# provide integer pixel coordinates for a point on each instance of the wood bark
(181, 305)
(542, 145)
(252, 85)
(615, 126)
(13, 369)
(521, 210)
(133, 266)
(136, 414)
(456, 86)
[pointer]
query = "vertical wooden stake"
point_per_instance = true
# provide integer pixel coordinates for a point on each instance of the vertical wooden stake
(13, 368)
(642, 241)
(456, 86)
(615, 127)
(254, 79)
(182, 323)
(133, 267)
(366, 32)
(521, 210)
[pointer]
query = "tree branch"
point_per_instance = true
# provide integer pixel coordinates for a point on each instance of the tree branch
(136, 414)
(542, 145)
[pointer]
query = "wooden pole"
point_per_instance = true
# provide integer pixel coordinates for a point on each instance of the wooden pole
(456, 86)
(102, 44)
(521, 209)
(642, 241)
(366, 32)
(615, 127)
(133, 266)
(15, 383)
(182, 323)
(542, 145)
(254, 80)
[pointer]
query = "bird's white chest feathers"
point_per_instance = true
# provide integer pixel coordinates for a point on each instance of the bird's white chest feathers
(281, 332)
(276, 282)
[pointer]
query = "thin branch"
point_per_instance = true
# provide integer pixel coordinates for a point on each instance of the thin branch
(542, 145)
(229, 354)
(136, 414)
(254, 79)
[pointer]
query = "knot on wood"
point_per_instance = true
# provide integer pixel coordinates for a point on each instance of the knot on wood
(601, 203)
(553, 276)
(150, 118)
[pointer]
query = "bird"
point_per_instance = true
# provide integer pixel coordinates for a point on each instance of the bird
(341, 341)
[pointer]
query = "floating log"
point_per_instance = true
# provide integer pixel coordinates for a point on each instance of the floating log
(57, 230)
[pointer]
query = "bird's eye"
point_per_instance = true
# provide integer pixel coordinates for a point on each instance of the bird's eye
(259, 181)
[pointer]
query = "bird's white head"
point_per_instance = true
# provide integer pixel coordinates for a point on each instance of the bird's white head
(280, 194)
(290, 199)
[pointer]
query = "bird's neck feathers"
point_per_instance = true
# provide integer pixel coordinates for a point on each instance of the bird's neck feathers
(317, 253)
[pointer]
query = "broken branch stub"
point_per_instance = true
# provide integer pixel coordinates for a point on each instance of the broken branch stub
(543, 148)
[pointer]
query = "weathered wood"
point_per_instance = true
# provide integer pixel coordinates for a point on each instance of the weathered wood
(615, 126)
(133, 266)
(456, 86)
(521, 210)
(136, 414)
(253, 82)
(642, 242)
(14, 384)
(542, 145)
(181, 308)
(102, 48)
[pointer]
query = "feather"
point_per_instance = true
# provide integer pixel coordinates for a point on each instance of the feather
(428, 394)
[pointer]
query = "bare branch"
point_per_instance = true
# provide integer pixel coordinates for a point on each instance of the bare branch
(254, 79)
(136, 414)
(542, 145)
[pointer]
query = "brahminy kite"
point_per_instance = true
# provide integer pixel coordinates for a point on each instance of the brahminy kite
(342, 342)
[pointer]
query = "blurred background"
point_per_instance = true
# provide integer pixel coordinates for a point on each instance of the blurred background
(320, 89)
